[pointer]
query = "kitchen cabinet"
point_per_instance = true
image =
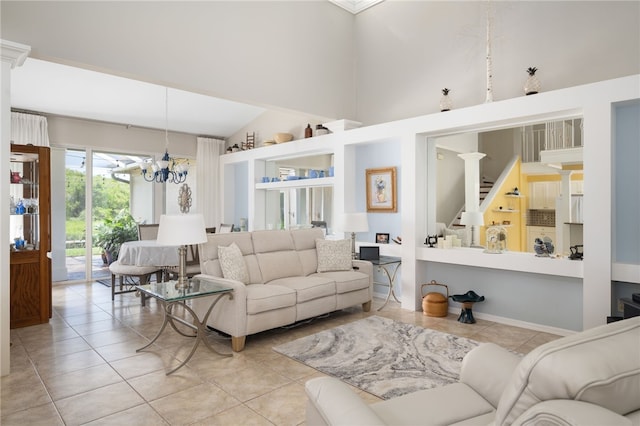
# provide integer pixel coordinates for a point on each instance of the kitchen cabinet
(29, 235)
(543, 195)
(577, 187)
(534, 232)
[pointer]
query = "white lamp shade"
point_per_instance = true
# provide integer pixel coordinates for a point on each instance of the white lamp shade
(472, 218)
(181, 229)
(354, 222)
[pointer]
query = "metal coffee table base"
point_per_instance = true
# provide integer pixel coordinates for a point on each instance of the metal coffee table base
(199, 327)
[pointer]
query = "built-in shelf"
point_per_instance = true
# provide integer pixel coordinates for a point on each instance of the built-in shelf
(505, 211)
(298, 183)
(511, 261)
(496, 225)
(513, 196)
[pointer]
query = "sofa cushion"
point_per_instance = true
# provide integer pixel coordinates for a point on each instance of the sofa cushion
(279, 264)
(262, 298)
(308, 288)
(346, 281)
(209, 250)
(270, 241)
(232, 263)
(438, 406)
(333, 255)
(305, 239)
(309, 261)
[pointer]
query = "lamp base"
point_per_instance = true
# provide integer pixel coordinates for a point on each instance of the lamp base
(183, 285)
(473, 244)
(354, 256)
(182, 282)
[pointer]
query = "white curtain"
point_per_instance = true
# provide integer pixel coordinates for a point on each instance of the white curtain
(207, 178)
(29, 129)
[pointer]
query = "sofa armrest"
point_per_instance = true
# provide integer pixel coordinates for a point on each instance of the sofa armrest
(565, 412)
(487, 369)
(363, 266)
(331, 402)
(229, 315)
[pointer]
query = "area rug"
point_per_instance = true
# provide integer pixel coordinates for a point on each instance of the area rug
(384, 357)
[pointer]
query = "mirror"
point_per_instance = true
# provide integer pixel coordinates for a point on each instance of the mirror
(529, 184)
(307, 204)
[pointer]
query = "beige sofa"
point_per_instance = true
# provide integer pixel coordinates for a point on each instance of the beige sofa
(590, 378)
(282, 284)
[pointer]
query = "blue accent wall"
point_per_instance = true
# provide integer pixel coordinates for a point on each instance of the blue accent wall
(626, 227)
(536, 298)
(627, 184)
(370, 157)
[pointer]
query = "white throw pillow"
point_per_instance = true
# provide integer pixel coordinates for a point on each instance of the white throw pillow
(232, 263)
(333, 255)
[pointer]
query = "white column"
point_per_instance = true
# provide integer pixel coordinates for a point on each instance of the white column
(472, 186)
(472, 180)
(13, 54)
(563, 213)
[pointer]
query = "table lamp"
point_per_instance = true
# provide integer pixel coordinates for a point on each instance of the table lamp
(354, 222)
(472, 219)
(181, 230)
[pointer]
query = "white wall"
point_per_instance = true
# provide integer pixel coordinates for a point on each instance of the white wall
(407, 51)
(58, 215)
(276, 121)
(65, 131)
(386, 63)
(499, 146)
(450, 185)
(291, 54)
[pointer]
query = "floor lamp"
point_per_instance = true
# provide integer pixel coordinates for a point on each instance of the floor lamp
(181, 230)
(472, 219)
(354, 222)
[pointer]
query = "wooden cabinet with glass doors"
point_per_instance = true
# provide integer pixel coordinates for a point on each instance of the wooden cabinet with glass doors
(30, 235)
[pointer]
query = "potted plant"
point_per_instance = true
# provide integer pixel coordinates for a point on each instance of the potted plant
(113, 232)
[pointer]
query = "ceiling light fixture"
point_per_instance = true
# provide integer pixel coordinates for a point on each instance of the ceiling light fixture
(166, 169)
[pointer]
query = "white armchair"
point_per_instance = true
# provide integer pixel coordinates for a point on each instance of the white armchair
(592, 377)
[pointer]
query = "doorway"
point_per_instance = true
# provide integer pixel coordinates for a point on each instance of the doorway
(96, 202)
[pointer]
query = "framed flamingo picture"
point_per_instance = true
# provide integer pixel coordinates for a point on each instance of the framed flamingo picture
(381, 190)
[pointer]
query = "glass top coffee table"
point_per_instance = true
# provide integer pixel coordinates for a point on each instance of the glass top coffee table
(169, 296)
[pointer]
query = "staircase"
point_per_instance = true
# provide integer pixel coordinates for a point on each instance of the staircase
(485, 188)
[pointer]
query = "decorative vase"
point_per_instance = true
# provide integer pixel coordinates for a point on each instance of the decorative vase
(532, 85)
(445, 102)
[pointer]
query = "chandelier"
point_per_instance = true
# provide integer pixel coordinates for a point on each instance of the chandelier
(166, 169)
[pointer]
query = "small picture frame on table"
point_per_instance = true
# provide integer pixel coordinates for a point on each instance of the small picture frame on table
(382, 238)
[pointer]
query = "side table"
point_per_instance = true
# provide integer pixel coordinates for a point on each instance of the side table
(169, 296)
(389, 265)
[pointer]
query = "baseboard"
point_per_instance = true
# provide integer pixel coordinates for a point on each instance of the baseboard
(517, 323)
(502, 320)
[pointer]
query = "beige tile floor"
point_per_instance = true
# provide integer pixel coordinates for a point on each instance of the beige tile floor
(82, 367)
